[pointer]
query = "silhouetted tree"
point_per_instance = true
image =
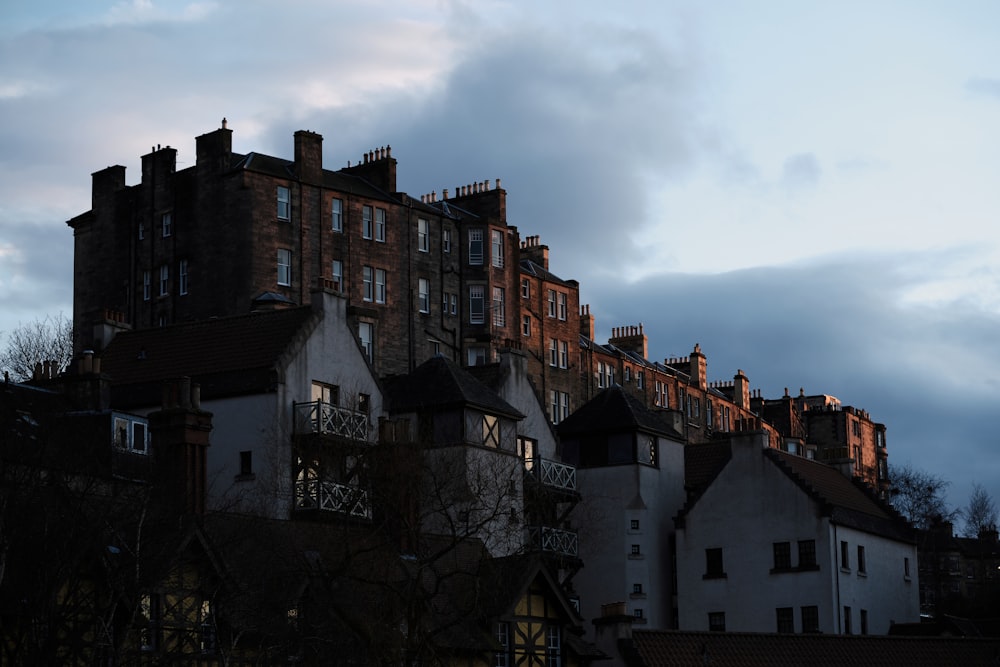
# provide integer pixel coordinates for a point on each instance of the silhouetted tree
(48, 339)
(981, 512)
(919, 496)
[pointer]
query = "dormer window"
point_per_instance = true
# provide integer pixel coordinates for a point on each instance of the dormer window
(131, 434)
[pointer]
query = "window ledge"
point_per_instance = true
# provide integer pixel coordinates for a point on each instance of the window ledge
(722, 575)
(637, 596)
(863, 574)
(800, 568)
(636, 556)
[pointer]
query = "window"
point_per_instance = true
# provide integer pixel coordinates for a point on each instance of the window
(284, 203)
(337, 272)
(717, 621)
(423, 242)
(810, 619)
(491, 431)
(337, 215)
(246, 463)
(142, 230)
(380, 224)
(562, 306)
(861, 560)
(554, 411)
(563, 354)
(379, 285)
(807, 554)
(424, 295)
(526, 325)
(501, 658)
(565, 404)
(786, 619)
(149, 612)
(182, 276)
(146, 285)
(499, 312)
(628, 374)
(477, 305)
(638, 613)
(640, 379)
(475, 247)
(368, 280)
(553, 653)
(845, 560)
(365, 337)
(600, 375)
(164, 279)
(525, 288)
(284, 267)
(553, 352)
(496, 238)
(782, 556)
(636, 589)
(906, 568)
(446, 240)
(552, 303)
(713, 564)
(167, 223)
(657, 388)
(633, 524)
(366, 222)
(847, 620)
(477, 355)
(636, 551)
(864, 621)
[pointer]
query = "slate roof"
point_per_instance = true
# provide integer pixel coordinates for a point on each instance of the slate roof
(738, 649)
(226, 356)
(615, 410)
(702, 462)
(440, 383)
(534, 269)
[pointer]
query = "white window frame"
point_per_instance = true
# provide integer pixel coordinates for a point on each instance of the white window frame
(499, 307)
(562, 305)
(424, 295)
(337, 214)
(380, 225)
(454, 304)
(164, 280)
(446, 240)
(337, 273)
(423, 237)
(167, 224)
(366, 222)
(284, 203)
(553, 353)
(525, 288)
(563, 354)
(496, 245)
(475, 247)
(526, 325)
(552, 302)
(477, 297)
(380, 290)
(284, 267)
(182, 277)
(368, 282)
(147, 285)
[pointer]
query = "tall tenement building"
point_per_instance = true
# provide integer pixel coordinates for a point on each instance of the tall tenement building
(436, 274)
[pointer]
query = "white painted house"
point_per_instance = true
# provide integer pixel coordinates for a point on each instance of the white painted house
(779, 543)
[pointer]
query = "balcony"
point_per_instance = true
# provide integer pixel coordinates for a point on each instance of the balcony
(552, 474)
(555, 541)
(313, 494)
(328, 419)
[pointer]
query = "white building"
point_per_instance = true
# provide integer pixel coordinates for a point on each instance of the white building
(780, 543)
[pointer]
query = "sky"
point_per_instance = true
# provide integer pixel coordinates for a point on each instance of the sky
(808, 190)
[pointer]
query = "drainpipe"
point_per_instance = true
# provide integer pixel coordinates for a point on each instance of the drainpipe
(836, 574)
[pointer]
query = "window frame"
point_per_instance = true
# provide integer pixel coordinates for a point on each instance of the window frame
(182, 277)
(368, 283)
(499, 307)
(380, 286)
(164, 279)
(423, 236)
(380, 223)
(424, 295)
(337, 215)
(367, 218)
(167, 224)
(147, 285)
(286, 254)
(477, 297)
(715, 567)
(283, 195)
(496, 248)
(337, 274)
(475, 247)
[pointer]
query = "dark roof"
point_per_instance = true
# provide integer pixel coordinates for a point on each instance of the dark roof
(738, 649)
(226, 356)
(616, 410)
(844, 500)
(702, 462)
(441, 383)
(537, 270)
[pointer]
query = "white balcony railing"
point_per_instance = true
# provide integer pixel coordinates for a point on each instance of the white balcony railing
(320, 417)
(332, 497)
(553, 540)
(552, 473)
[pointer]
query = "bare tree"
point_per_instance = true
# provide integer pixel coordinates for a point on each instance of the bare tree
(48, 339)
(981, 512)
(919, 496)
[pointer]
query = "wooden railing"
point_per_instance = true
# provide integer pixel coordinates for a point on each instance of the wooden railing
(320, 417)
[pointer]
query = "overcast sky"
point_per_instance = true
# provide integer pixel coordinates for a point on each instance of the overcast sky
(809, 190)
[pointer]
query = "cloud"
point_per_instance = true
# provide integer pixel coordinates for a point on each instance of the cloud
(801, 170)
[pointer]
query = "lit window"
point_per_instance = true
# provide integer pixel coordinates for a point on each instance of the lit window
(164, 279)
(380, 224)
(366, 222)
(423, 243)
(379, 285)
(168, 224)
(284, 203)
(475, 247)
(146, 285)
(337, 273)
(477, 305)
(368, 280)
(496, 237)
(284, 267)
(424, 296)
(337, 215)
(182, 276)
(491, 431)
